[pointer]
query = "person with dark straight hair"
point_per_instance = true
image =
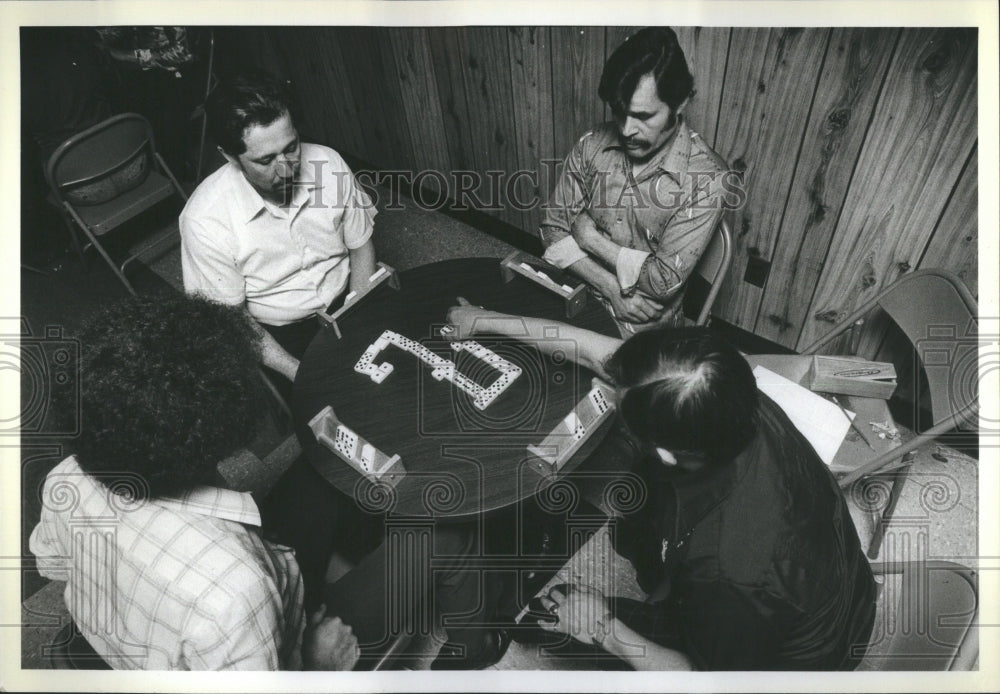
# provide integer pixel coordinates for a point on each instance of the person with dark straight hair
(652, 51)
(282, 228)
(743, 543)
(638, 198)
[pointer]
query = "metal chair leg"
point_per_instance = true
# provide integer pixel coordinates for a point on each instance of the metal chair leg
(883, 519)
(74, 237)
(104, 254)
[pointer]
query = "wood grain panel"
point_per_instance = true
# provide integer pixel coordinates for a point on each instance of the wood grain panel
(705, 49)
(531, 85)
(320, 80)
(955, 244)
(577, 61)
(369, 62)
(921, 136)
(415, 72)
(853, 73)
(447, 54)
(770, 81)
(486, 73)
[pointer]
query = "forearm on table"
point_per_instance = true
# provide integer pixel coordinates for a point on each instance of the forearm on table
(362, 266)
(641, 653)
(593, 349)
(273, 355)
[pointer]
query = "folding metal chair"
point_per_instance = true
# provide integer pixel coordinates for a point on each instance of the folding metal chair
(713, 266)
(939, 316)
(929, 618)
(107, 175)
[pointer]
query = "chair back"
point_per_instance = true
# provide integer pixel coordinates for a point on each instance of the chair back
(103, 161)
(938, 314)
(929, 618)
(713, 266)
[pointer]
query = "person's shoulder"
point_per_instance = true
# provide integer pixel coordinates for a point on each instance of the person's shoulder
(703, 156)
(313, 152)
(599, 137)
(210, 194)
(230, 563)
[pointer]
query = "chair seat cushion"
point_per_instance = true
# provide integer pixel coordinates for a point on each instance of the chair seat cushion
(104, 217)
(125, 178)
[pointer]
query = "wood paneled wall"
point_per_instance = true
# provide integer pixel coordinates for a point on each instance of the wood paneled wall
(857, 146)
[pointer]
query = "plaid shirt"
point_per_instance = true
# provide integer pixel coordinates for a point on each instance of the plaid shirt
(172, 583)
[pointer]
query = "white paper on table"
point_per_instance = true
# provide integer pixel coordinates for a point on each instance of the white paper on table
(822, 422)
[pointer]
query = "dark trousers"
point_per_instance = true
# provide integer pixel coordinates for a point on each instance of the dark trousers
(406, 571)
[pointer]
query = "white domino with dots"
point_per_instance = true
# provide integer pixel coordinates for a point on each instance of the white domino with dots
(368, 458)
(442, 369)
(346, 441)
(599, 401)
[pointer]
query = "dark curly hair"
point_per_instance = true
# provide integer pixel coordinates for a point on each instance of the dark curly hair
(650, 50)
(687, 391)
(245, 100)
(169, 387)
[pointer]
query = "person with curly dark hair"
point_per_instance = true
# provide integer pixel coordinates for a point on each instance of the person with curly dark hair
(165, 568)
(744, 542)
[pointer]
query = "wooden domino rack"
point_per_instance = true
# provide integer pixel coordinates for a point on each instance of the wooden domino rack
(384, 274)
(355, 450)
(572, 432)
(543, 274)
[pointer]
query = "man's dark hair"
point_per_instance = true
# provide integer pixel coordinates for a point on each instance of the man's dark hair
(252, 98)
(655, 50)
(687, 391)
(169, 387)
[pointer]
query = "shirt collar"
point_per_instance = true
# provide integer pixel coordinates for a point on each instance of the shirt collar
(226, 504)
(701, 491)
(251, 203)
(673, 159)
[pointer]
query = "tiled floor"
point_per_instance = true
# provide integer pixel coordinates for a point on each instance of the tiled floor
(937, 516)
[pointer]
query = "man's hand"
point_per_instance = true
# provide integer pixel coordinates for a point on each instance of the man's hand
(583, 613)
(463, 318)
(585, 232)
(635, 308)
(328, 643)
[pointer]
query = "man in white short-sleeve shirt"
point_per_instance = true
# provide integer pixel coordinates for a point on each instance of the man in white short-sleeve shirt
(282, 228)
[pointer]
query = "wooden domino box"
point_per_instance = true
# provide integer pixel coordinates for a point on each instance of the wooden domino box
(570, 434)
(355, 450)
(573, 292)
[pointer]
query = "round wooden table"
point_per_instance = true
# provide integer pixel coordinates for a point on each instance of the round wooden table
(459, 460)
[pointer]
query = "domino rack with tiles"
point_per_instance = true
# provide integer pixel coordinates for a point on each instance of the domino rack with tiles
(520, 263)
(442, 369)
(355, 450)
(569, 435)
(382, 275)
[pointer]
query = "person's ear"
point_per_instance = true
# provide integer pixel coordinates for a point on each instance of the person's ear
(666, 456)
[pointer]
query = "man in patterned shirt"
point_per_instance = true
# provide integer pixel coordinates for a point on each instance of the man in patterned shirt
(639, 197)
(166, 569)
